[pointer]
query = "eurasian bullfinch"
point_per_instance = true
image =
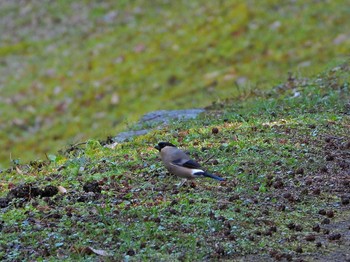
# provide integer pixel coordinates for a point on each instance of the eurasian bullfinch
(179, 163)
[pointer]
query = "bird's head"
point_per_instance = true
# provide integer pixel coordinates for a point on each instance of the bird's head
(161, 145)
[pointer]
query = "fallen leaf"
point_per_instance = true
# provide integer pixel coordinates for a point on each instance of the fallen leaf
(62, 190)
(115, 99)
(89, 251)
(100, 252)
(19, 171)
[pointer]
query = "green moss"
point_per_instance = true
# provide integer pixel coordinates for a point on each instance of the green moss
(62, 67)
(142, 215)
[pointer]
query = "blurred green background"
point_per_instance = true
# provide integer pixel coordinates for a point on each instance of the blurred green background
(74, 70)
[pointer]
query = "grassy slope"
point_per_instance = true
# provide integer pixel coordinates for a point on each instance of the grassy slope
(84, 69)
(285, 158)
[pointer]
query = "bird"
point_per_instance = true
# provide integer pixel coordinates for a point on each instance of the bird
(180, 164)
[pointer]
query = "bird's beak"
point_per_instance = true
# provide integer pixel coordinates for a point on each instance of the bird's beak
(157, 147)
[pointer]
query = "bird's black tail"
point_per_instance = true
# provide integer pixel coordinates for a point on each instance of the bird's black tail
(213, 176)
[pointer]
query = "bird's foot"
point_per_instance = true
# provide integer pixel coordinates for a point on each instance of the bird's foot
(183, 181)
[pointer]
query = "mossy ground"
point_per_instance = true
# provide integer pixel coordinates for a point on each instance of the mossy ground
(78, 70)
(285, 158)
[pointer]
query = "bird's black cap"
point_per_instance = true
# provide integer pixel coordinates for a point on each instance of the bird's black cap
(162, 145)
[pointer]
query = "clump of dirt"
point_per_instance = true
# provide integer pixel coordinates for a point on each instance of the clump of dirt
(49, 191)
(4, 202)
(92, 186)
(26, 192)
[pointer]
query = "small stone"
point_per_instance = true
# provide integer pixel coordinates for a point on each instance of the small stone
(265, 212)
(4, 202)
(222, 206)
(316, 228)
(49, 191)
(215, 162)
(232, 237)
(316, 191)
(273, 229)
(298, 228)
(330, 213)
(258, 233)
(256, 188)
(250, 238)
(92, 186)
(300, 171)
(334, 236)
(268, 233)
(288, 257)
(291, 226)
(308, 182)
(227, 224)
(172, 211)
(345, 200)
(215, 130)
(326, 221)
(310, 238)
(248, 214)
(220, 251)
(299, 250)
(329, 158)
(287, 195)
(278, 184)
(131, 252)
(322, 212)
(269, 177)
(324, 169)
(227, 232)
(281, 208)
(233, 197)
(222, 218)
(273, 253)
(347, 145)
(305, 191)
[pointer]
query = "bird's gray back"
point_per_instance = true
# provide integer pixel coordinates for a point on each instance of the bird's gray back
(170, 154)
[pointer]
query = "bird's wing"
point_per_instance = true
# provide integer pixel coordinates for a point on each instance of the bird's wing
(189, 163)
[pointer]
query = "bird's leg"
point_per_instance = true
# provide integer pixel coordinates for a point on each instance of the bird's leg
(183, 181)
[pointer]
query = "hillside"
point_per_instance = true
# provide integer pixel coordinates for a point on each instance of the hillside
(78, 70)
(284, 155)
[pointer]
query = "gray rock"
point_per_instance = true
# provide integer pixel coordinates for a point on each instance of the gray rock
(164, 116)
(157, 119)
(130, 134)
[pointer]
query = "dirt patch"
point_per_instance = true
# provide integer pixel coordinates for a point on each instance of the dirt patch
(26, 192)
(92, 186)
